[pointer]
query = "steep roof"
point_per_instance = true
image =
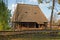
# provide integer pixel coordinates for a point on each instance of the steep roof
(28, 13)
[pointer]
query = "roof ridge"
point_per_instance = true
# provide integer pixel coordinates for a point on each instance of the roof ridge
(26, 4)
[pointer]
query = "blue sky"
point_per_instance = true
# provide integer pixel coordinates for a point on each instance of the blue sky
(43, 6)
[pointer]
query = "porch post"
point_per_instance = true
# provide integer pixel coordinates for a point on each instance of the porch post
(27, 25)
(18, 27)
(39, 25)
(34, 25)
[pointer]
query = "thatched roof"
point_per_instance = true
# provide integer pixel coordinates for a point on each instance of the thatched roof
(28, 13)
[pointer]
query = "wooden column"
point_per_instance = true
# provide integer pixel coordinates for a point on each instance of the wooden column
(27, 25)
(18, 27)
(34, 25)
(39, 25)
(14, 26)
(21, 26)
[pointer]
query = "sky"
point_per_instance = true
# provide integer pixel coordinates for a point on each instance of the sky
(43, 6)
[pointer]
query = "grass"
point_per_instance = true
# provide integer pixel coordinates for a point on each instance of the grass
(32, 36)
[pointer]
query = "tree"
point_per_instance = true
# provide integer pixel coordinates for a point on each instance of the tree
(52, 13)
(58, 22)
(53, 5)
(59, 13)
(59, 1)
(4, 16)
(47, 1)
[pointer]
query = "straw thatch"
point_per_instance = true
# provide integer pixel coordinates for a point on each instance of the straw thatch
(28, 13)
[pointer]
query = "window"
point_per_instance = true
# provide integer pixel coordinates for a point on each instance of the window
(26, 12)
(35, 12)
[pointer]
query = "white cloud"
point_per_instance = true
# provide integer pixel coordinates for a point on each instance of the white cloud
(13, 8)
(21, 2)
(33, 0)
(46, 4)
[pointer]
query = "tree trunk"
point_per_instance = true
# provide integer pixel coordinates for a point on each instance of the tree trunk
(52, 14)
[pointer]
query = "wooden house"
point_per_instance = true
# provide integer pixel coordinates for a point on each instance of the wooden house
(28, 16)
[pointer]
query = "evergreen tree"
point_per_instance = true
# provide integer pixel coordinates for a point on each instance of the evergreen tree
(4, 16)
